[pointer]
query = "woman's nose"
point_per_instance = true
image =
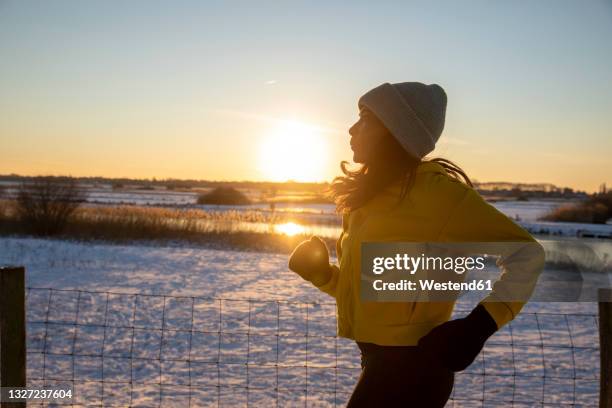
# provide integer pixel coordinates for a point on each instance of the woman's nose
(352, 129)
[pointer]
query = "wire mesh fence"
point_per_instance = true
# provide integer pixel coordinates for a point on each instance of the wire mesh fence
(120, 349)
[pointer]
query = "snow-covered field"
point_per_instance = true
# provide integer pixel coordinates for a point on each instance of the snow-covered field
(197, 338)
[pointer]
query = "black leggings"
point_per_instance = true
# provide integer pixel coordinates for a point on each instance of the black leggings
(400, 376)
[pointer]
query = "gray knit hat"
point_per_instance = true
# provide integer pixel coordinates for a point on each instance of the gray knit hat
(413, 112)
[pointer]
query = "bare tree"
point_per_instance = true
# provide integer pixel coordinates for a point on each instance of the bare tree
(46, 203)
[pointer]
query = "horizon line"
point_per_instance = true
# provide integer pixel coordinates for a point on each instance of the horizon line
(169, 179)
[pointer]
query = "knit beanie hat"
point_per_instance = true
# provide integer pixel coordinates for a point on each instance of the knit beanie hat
(413, 112)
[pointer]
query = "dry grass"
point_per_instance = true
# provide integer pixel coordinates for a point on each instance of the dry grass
(128, 223)
(596, 209)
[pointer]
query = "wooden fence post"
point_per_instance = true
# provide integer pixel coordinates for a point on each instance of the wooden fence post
(12, 329)
(605, 348)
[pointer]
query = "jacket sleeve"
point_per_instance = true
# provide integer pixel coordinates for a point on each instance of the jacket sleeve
(473, 219)
(330, 286)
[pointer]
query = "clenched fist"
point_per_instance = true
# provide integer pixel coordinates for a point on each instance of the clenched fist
(458, 342)
(310, 260)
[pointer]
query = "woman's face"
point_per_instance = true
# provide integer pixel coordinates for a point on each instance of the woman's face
(365, 134)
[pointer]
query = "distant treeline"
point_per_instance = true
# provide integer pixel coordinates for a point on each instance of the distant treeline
(171, 183)
(502, 190)
(517, 193)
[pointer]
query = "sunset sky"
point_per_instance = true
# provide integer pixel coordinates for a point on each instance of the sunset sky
(256, 90)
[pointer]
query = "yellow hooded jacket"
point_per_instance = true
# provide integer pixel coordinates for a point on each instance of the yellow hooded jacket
(438, 208)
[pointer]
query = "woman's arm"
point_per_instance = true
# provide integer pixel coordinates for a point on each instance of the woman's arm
(458, 342)
(330, 286)
(473, 219)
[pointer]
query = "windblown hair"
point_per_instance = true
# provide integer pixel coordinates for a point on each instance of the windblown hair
(389, 163)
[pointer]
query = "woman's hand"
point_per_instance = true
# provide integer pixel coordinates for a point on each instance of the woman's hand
(310, 260)
(456, 343)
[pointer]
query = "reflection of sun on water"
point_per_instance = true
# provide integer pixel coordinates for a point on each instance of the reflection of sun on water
(293, 151)
(288, 228)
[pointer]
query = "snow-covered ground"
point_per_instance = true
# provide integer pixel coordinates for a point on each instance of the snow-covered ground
(549, 354)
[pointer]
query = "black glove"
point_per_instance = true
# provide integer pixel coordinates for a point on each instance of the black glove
(456, 343)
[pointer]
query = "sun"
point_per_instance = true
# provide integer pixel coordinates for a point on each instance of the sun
(289, 228)
(293, 151)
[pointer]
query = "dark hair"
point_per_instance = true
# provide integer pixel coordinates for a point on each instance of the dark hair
(389, 163)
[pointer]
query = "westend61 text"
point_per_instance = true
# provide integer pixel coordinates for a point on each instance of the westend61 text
(430, 284)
